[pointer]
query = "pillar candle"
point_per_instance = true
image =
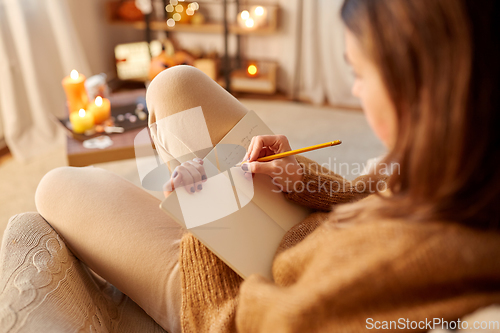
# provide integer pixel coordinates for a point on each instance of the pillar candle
(81, 121)
(100, 109)
(74, 86)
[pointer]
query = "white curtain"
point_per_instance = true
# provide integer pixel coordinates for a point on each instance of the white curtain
(324, 74)
(38, 47)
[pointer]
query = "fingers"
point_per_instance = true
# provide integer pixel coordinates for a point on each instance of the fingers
(174, 182)
(197, 173)
(187, 180)
(268, 168)
(189, 174)
(264, 145)
(199, 160)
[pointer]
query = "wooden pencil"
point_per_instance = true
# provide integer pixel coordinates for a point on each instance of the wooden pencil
(295, 152)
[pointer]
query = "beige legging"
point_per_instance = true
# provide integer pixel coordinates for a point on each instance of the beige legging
(116, 228)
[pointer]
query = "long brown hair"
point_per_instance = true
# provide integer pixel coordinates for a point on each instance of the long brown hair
(440, 62)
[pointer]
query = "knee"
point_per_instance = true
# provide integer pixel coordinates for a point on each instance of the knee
(58, 188)
(51, 190)
(181, 88)
(176, 89)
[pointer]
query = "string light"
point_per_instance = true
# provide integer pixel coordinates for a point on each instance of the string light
(171, 22)
(245, 15)
(249, 23)
(259, 11)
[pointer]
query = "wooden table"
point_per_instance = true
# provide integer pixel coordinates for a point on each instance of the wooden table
(123, 143)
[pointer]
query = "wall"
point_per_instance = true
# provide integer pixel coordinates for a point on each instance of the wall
(99, 38)
(97, 35)
(3, 144)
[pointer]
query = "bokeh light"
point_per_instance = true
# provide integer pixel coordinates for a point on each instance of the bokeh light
(259, 11)
(245, 15)
(252, 70)
(171, 22)
(249, 23)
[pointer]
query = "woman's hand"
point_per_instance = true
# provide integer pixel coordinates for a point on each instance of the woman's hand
(286, 172)
(189, 174)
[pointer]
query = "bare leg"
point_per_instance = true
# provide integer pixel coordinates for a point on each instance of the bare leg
(118, 229)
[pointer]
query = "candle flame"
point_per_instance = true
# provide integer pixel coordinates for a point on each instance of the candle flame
(74, 74)
(98, 101)
(259, 11)
(252, 69)
(82, 113)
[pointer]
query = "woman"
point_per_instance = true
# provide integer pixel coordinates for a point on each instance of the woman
(428, 78)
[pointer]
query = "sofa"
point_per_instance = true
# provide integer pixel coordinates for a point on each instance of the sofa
(45, 288)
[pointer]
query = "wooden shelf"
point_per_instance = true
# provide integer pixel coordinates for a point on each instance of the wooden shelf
(209, 27)
(264, 84)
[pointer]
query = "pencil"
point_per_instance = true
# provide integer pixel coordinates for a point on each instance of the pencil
(295, 152)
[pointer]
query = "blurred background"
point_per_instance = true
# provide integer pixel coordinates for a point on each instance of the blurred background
(73, 76)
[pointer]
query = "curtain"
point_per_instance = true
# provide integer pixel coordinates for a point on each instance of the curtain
(324, 74)
(38, 47)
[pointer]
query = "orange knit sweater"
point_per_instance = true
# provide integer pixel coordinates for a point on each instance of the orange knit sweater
(341, 277)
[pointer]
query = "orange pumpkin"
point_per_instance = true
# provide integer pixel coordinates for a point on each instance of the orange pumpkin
(128, 11)
(163, 61)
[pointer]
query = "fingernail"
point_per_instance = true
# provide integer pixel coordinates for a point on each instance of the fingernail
(192, 189)
(175, 174)
(244, 167)
(200, 187)
(203, 177)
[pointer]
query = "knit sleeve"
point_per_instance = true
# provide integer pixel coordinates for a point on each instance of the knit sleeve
(321, 188)
(209, 289)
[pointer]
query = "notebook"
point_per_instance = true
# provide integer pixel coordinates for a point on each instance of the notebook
(242, 221)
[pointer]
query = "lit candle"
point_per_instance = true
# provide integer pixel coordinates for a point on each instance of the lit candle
(74, 86)
(100, 109)
(252, 70)
(81, 121)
